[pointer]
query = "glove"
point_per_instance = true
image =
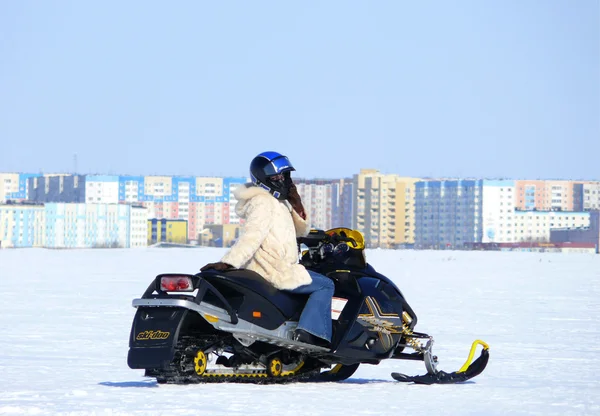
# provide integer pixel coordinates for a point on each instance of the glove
(220, 266)
(295, 200)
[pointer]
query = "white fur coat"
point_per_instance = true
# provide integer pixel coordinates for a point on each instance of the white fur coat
(267, 244)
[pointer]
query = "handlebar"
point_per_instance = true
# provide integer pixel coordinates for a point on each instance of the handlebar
(317, 237)
(347, 240)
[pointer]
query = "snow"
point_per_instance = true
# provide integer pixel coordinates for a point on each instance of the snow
(65, 317)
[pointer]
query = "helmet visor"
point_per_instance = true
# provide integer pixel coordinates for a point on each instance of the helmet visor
(278, 165)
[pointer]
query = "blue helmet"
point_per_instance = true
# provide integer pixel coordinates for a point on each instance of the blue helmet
(265, 171)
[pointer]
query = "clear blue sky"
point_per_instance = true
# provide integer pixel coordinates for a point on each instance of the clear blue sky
(468, 88)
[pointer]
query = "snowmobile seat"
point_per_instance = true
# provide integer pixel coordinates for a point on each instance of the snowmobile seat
(288, 303)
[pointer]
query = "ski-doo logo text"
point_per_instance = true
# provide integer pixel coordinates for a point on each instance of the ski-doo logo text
(147, 335)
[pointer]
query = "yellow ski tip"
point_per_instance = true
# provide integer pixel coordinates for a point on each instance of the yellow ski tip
(467, 363)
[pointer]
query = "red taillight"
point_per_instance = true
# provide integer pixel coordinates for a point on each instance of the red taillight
(176, 284)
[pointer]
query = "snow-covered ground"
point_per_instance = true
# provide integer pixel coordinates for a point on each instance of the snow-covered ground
(65, 318)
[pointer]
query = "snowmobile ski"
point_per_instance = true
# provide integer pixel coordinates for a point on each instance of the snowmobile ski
(467, 371)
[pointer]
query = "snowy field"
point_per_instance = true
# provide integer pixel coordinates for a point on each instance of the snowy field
(65, 318)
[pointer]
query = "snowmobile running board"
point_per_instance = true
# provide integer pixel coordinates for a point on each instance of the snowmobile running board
(466, 372)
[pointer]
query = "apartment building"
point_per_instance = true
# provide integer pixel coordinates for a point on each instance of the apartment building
(167, 230)
(590, 196)
(342, 204)
(451, 213)
(79, 225)
(536, 226)
(198, 200)
(405, 211)
(72, 225)
(547, 195)
(57, 188)
(22, 225)
(448, 213)
(384, 208)
(590, 234)
(329, 202)
(317, 199)
(14, 186)
(497, 211)
(101, 189)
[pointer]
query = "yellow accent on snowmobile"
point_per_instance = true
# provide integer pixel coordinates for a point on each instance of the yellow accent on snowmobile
(200, 363)
(234, 375)
(359, 239)
(211, 318)
(335, 369)
(275, 368)
(472, 353)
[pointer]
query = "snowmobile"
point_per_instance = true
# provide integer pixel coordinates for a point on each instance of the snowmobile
(232, 325)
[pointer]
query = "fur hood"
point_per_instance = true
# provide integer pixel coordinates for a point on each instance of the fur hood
(267, 244)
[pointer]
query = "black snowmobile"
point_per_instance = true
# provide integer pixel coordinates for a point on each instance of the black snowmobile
(234, 326)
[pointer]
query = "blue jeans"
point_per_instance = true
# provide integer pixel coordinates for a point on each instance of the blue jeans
(316, 315)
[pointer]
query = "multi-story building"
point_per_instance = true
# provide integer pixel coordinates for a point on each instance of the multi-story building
(384, 208)
(342, 207)
(72, 225)
(536, 226)
(57, 188)
(14, 186)
(317, 201)
(167, 230)
(229, 187)
(546, 195)
(101, 189)
(138, 226)
(405, 201)
(198, 200)
(329, 202)
(22, 225)
(457, 213)
(452, 213)
(591, 234)
(448, 213)
(498, 209)
(590, 196)
(95, 225)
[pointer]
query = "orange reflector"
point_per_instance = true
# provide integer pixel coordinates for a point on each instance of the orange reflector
(211, 318)
(256, 314)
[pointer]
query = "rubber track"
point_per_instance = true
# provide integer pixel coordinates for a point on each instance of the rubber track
(178, 379)
(173, 376)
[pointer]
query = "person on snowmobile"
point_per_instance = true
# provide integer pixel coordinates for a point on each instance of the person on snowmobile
(274, 216)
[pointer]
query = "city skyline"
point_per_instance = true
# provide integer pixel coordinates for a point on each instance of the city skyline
(470, 89)
(390, 210)
(295, 176)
